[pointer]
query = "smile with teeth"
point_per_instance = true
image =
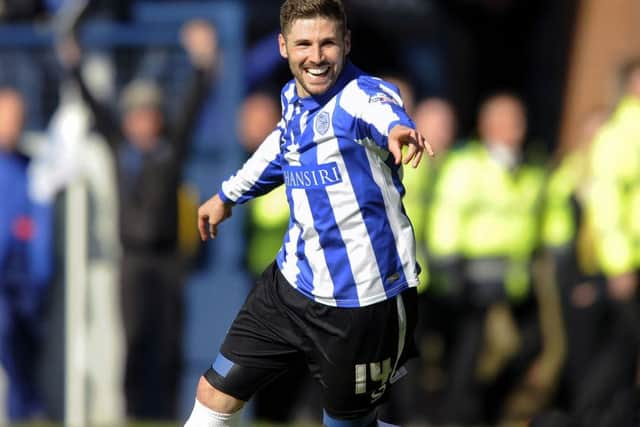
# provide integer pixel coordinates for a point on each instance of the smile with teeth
(317, 71)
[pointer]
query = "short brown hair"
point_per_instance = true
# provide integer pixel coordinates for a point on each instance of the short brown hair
(303, 9)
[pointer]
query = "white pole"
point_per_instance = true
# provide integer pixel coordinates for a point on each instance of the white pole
(3, 398)
(76, 306)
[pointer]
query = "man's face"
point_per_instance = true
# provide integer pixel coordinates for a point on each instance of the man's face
(11, 119)
(258, 116)
(142, 127)
(316, 49)
(503, 121)
(435, 119)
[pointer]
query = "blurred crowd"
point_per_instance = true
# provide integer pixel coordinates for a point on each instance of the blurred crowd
(529, 305)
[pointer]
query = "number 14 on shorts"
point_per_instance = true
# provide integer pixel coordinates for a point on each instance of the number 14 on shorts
(379, 372)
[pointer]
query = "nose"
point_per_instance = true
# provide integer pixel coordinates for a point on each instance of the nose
(316, 55)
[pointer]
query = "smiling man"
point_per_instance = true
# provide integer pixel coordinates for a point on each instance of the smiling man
(341, 293)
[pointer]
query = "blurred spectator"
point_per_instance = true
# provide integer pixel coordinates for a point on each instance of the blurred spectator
(149, 158)
(438, 118)
(81, 159)
(617, 189)
(268, 215)
(614, 206)
(435, 119)
(485, 219)
(258, 116)
(568, 234)
(20, 10)
(26, 261)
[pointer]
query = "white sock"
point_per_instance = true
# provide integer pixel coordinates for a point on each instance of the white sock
(201, 416)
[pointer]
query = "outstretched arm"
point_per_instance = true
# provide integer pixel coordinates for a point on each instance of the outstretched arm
(200, 41)
(384, 119)
(70, 56)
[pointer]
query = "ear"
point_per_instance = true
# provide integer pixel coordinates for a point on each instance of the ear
(347, 42)
(282, 45)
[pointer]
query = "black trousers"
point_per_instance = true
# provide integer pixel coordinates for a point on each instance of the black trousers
(608, 394)
(466, 400)
(152, 310)
(418, 398)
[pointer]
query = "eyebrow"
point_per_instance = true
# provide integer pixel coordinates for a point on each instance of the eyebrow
(304, 40)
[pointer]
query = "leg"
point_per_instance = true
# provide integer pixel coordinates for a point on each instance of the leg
(611, 372)
(356, 368)
(213, 408)
(20, 343)
(461, 398)
(279, 401)
(133, 306)
(257, 349)
(168, 335)
(223, 390)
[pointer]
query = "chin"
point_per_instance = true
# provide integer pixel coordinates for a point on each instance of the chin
(319, 90)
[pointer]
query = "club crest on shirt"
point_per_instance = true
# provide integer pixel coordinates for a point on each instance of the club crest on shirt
(322, 122)
(382, 98)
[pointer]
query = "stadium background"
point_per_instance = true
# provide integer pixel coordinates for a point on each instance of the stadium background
(560, 56)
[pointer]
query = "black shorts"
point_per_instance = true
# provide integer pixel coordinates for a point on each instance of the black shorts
(354, 353)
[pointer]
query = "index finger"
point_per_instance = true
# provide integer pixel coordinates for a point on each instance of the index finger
(417, 159)
(429, 148)
(411, 153)
(396, 152)
(203, 225)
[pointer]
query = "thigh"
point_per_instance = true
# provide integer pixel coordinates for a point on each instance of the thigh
(260, 345)
(357, 354)
(240, 381)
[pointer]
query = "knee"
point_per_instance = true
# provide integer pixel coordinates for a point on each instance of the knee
(216, 400)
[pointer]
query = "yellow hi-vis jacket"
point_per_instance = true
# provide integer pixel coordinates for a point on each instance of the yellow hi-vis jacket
(268, 221)
(419, 184)
(614, 198)
(567, 228)
(483, 211)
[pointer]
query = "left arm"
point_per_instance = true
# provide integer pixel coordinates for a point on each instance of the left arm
(386, 121)
(259, 175)
(200, 41)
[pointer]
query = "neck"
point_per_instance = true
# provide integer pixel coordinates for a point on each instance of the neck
(300, 90)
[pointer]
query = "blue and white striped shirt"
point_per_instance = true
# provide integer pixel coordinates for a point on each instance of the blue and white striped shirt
(349, 242)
